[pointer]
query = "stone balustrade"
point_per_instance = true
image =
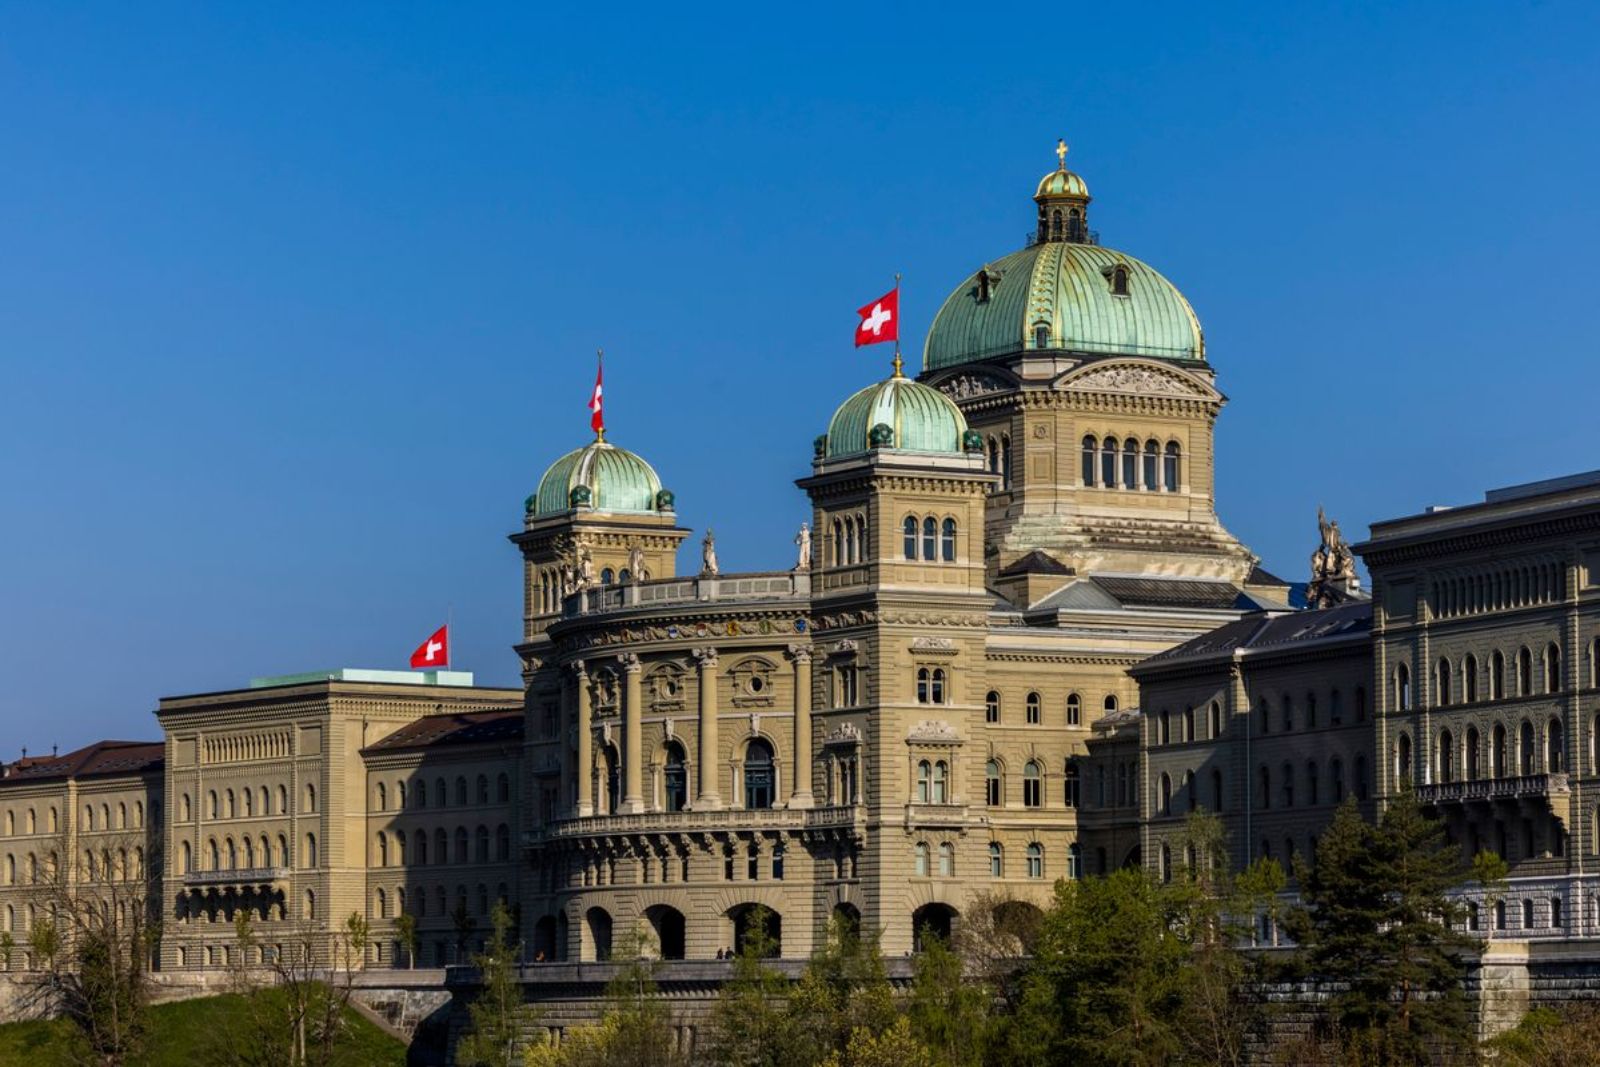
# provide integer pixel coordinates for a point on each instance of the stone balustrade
(1522, 787)
(765, 585)
(241, 876)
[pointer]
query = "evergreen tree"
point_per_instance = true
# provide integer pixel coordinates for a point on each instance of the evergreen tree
(948, 1012)
(1378, 922)
(751, 1025)
(498, 1014)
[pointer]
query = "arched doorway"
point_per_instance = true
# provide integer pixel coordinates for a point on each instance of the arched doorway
(597, 922)
(1018, 921)
(676, 779)
(752, 922)
(544, 939)
(668, 925)
(931, 920)
(847, 919)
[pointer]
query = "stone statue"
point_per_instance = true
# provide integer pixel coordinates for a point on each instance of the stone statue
(585, 568)
(708, 555)
(1333, 567)
(569, 579)
(636, 564)
(803, 539)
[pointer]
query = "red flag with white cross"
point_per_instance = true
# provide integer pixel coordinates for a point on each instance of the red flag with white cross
(435, 651)
(880, 320)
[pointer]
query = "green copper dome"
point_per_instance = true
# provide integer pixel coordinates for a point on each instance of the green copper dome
(914, 418)
(1064, 296)
(600, 475)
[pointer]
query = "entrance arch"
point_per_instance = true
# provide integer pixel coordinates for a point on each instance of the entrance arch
(597, 924)
(752, 921)
(667, 923)
(932, 920)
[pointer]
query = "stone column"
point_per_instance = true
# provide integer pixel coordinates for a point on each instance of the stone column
(800, 776)
(633, 734)
(585, 742)
(708, 797)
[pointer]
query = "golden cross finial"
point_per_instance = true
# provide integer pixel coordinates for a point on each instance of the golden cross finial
(1061, 151)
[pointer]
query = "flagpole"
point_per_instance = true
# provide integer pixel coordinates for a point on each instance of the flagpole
(599, 376)
(899, 310)
(449, 638)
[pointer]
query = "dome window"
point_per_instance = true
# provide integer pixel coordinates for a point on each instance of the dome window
(1118, 277)
(1041, 335)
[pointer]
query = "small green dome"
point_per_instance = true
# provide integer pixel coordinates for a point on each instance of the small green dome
(1063, 296)
(1062, 183)
(895, 413)
(601, 476)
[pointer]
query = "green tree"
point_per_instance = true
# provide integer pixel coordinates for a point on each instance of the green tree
(751, 1025)
(948, 1011)
(405, 931)
(844, 988)
(1378, 921)
(636, 1029)
(895, 1046)
(498, 1015)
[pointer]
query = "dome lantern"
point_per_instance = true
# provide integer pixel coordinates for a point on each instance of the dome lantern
(1063, 200)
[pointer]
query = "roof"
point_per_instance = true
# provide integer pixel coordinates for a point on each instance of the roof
(1036, 562)
(461, 728)
(1259, 575)
(920, 418)
(615, 480)
(103, 758)
(1266, 631)
(1115, 592)
(1065, 287)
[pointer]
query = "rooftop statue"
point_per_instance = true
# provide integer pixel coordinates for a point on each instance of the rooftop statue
(803, 540)
(708, 556)
(1333, 567)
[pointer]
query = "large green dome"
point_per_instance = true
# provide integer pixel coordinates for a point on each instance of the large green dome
(612, 478)
(1071, 291)
(918, 418)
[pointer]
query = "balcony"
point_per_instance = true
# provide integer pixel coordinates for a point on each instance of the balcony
(765, 585)
(242, 876)
(1523, 787)
(677, 822)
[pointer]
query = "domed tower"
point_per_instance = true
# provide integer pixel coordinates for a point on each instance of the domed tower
(1084, 373)
(598, 521)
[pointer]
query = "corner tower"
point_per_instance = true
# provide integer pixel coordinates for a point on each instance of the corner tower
(1084, 373)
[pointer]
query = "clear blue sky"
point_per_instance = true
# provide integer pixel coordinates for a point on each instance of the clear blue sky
(298, 301)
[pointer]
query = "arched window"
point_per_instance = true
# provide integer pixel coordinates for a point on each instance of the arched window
(675, 778)
(483, 789)
(996, 860)
(311, 797)
(838, 542)
(1034, 709)
(1264, 777)
(941, 779)
(1497, 677)
(1005, 461)
(1090, 452)
(1446, 761)
(1119, 280)
(480, 852)
(936, 692)
(1473, 764)
(1152, 466)
(1313, 785)
(1469, 679)
(1164, 727)
(382, 797)
(211, 804)
(947, 541)
(1552, 669)
(1188, 724)
(1361, 777)
(1402, 758)
(1165, 864)
(849, 541)
(1169, 474)
(1164, 796)
(311, 851)
(924, 779)
(1108, 463)
(1110, 703)
(383, 849)
(1073, 786)
(1442, 682)
(1402, 687)
(1035, 860)
(441, 846)
(380, 904)
(924, 685)
(463, 845)
(1074, 861)
(607, 576)
(1524, 672)
(947, 860)
(991, 706)
(991, 784)
(759, 786)
(1555, 748)
(930, 547)
(1030, 785)
(1041, 335)
(1074, 710)
(994, 455)
(1130, 464)
(1497, 754)
(921, 859)
(1525, 749)
(1216, 790)
(1287, 786)
(503, 788)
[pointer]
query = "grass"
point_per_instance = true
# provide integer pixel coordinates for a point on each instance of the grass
(190, 1033)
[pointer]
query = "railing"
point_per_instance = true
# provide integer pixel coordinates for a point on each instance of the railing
(1523, 787)
(690, 821)
(767, 585)
(1072, 235)
(243, 874)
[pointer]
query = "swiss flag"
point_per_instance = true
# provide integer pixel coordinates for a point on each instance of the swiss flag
(597, 421)
(435, 651)
(880, 320)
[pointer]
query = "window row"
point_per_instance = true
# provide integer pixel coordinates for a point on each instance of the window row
(469, 848)
(1186, 725)
(105, 823)
(247, 802)
(1281, 790)
(1033, 708)
(998, 450)
(101, 866)
(30, 822)
(929, 539)
(1498, 590)
(1033, 861)
(1125, 464)
(416, 796)
(947, 860)
(416, 902)
(849, 542)
(1307, 715)
(1465, 682)
(1466, 757)
(994, 784)
(246, 854)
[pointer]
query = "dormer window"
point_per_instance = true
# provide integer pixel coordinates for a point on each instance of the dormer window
(1118, 277)
(1041, 335)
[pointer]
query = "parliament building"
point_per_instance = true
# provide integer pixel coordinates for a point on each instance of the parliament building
(1016, 644)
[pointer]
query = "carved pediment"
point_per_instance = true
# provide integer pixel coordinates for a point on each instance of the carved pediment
(964, 386)
(1134, 378)
(933, 731)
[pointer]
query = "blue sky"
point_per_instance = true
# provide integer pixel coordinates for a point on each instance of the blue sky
(298, 301)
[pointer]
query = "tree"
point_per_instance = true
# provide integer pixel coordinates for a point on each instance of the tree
(1548, 1038)
(751, 1025)
(948, 1013)
(497, 1013)
(405, 931)
(8, 946)
(895, 1046)
(635, 1031)
(465, 926)
(844, 988)
(1378, 922)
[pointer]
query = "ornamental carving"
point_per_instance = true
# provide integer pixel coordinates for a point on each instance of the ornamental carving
(846, 734)
(933, 731)
(933, 644)
(1128, 378)
(964, 386)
